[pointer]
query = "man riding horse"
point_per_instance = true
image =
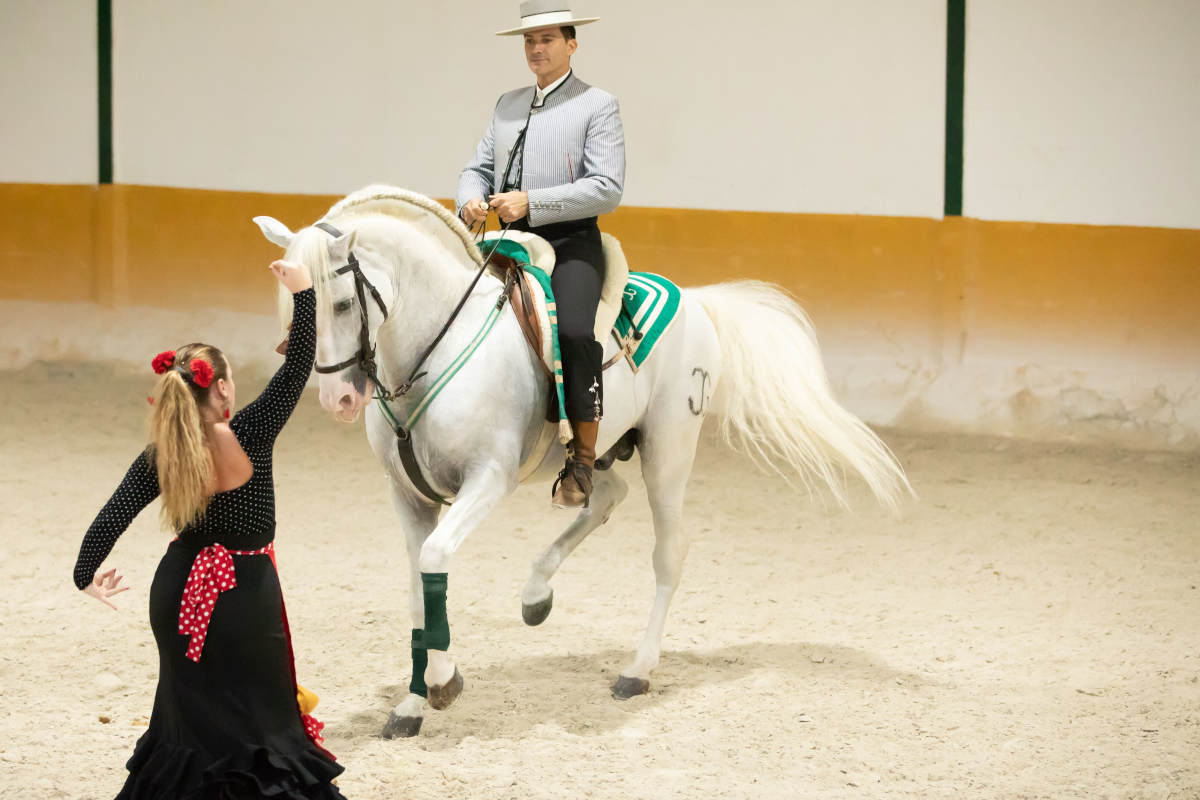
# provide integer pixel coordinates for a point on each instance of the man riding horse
(561, 151)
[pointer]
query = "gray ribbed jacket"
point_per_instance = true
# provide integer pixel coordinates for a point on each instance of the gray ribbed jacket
(574, 153)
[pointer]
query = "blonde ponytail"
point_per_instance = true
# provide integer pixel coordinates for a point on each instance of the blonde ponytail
(178, 441)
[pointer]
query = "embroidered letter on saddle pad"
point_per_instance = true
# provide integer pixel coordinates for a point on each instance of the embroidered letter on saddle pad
(648, 308)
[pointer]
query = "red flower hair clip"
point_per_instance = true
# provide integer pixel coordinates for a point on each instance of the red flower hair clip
(202, 373)
(163, 361)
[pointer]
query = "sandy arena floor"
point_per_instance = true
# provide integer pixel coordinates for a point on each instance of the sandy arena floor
(1030, 627)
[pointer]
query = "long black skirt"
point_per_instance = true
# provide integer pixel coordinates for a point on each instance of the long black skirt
(229, 725)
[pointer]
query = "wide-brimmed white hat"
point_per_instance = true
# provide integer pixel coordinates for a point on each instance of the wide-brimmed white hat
(544, 14)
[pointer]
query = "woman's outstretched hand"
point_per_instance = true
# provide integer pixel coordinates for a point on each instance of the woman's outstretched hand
(104, 585)
(293, 276)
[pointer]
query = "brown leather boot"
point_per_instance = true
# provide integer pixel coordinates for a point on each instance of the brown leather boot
(574, 485)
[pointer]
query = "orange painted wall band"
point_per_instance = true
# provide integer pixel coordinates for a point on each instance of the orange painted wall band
(1129, 291)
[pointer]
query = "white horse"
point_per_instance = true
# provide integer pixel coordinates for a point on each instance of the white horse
(742, 351)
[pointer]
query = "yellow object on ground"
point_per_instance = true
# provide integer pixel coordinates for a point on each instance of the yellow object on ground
(307, 700)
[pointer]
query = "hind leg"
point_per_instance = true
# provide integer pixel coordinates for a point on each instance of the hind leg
(608, 490)
(666, 465)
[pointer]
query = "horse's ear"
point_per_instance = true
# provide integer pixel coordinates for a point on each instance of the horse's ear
(339, 248)
(275, 231)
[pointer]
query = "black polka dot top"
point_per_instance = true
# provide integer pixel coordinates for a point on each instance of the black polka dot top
(242, 518)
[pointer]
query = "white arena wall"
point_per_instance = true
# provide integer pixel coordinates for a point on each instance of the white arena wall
(48, 91)
(816, 108)
(1083, 111)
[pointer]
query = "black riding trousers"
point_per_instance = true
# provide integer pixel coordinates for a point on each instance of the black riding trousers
(577, 280)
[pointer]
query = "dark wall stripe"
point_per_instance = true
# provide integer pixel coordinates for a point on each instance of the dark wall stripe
(956, 35)
(104, 90)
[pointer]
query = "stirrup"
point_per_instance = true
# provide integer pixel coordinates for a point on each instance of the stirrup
(562, 473)
(573, 470)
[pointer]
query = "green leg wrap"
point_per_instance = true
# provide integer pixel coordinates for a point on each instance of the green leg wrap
(420, 659)
(437, 628)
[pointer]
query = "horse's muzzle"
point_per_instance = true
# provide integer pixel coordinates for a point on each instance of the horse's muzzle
(345, 400)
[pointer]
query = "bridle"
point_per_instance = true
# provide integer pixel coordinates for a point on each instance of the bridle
(364, 358)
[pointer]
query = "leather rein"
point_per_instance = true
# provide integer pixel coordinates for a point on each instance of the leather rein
(364, 358)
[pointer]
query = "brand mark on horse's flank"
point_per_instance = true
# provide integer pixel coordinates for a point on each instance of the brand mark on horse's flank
(698, 410)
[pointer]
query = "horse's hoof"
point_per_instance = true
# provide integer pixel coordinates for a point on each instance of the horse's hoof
(626, 688)
(536, 613)
(440, 697)
(401, 727)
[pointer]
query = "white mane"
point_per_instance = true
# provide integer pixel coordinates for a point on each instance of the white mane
(310, 244)
(402, 203)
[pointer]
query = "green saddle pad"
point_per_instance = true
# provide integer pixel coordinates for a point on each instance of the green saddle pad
(648, 307)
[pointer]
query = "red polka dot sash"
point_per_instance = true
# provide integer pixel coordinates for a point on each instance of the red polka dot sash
(313, 727)
(212, 573)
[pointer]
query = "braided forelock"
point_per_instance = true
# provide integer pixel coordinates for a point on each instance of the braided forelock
(311, 248)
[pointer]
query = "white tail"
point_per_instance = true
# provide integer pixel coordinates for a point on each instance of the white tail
(774, 400)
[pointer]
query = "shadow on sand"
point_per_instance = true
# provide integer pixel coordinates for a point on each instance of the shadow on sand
(570, 693)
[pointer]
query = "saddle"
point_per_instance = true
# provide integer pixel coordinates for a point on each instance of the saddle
(635, 309)
(529, 300)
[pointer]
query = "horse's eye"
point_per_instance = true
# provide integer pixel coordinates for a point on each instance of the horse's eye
(342, 306)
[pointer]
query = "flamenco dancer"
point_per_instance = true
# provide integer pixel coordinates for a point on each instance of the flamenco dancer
(226, 720)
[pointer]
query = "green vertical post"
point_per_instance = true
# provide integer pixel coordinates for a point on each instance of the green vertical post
(104, 88)
(956, 35)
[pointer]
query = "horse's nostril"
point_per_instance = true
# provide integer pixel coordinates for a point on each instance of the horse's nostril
(347, 402)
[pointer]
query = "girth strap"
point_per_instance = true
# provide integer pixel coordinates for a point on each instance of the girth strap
(404, 430)
(408, 458)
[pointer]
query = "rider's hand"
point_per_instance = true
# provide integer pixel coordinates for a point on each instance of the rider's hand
(474, 211)
(293, 276)
(103, 586)
(511, 206)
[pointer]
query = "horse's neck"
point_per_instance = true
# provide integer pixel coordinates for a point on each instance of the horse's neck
(430, 285)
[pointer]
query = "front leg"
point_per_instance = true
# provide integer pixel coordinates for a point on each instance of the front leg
(418, 521)
(482, 489)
